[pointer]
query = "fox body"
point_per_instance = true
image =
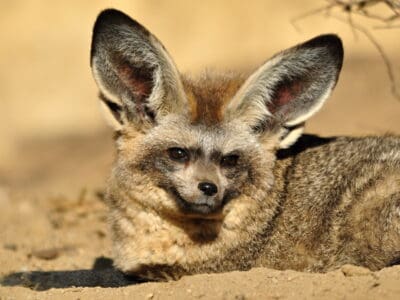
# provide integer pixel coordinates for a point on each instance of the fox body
(213, 174)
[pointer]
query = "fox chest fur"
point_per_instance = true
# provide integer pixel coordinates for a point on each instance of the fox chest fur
(213, 174)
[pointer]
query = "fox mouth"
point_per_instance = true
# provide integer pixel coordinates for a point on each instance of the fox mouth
(209, 208)
(202, 207)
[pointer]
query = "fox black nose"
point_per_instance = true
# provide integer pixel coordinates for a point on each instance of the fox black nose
(208, 188)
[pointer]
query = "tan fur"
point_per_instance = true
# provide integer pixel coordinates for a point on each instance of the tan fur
(209, 96)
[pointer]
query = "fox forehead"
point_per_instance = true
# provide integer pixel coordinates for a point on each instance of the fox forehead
(179, 131)
(208, 96)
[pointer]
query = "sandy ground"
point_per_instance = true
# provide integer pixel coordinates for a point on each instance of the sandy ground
(56, 151)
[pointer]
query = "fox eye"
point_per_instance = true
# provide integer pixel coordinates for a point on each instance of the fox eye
(229, 161)
(178, 154)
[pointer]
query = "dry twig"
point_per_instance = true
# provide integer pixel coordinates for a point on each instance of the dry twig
(364, 8)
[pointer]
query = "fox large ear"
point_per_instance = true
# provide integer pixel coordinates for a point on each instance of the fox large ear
(289, 88)
(138, 81)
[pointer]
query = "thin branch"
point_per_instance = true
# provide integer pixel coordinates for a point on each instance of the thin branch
(361, 7)
(296, 19)
(350, 21)
(382, 53)
(387, 27)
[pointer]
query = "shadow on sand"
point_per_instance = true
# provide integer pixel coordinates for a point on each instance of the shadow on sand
(103, 274)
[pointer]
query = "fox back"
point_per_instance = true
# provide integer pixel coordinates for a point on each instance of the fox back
(213, 174)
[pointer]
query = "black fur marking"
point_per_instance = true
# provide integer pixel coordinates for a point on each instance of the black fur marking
(305, 142)
(156, 272)
(229, 195)
(115, 108)
(111, 17)
(394, 262)
(291, 128)
(332, 43)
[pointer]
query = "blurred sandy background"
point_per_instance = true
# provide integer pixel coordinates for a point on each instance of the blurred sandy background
(52, 133)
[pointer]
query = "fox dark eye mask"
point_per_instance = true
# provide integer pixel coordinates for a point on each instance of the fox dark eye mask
(183, 156)
(230, 160)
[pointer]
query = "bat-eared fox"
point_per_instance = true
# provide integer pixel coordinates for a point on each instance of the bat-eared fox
(213, 174)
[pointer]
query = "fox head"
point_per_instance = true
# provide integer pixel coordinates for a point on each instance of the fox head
(190, 147)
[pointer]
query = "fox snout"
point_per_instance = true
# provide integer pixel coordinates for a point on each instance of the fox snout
(204, 204)
(202, 196)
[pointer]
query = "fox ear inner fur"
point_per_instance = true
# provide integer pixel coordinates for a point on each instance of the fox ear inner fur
(289, 88)
(138, 80)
